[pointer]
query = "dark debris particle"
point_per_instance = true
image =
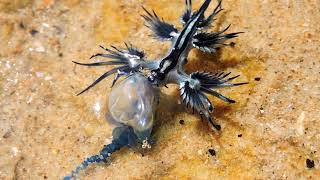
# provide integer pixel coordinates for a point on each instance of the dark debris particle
(232, 44)
(239, 135)
(6, 135)
(218, 127)
(181, 122)
(212, 152)
(21, 25)
(45, 177)
(257, 78)
(310, 163)
(60, 54)
(34, 32)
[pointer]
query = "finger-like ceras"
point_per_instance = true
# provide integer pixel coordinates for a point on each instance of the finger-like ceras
(194, 86)
(132, 102)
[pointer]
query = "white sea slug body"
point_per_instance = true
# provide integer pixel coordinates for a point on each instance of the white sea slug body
(132, 102)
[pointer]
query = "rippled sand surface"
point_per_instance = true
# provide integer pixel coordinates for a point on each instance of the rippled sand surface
(45, 130)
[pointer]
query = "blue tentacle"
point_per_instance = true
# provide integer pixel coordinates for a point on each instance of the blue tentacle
(121, 139)
(83, 165)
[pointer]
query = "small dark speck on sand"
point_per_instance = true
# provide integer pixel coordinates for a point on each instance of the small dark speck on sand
(34, 32)
(239, 135)
(181, 122)
(6, 135)
(232, 44)
(21, 25)
(212, 152)
(310, 163)
(257, 78)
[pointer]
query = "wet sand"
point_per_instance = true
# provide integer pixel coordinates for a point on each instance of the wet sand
(270, 133)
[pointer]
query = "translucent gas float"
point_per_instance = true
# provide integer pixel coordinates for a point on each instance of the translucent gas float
(132, 102)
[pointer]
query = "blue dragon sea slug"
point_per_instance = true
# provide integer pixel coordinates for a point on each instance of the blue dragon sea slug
(133, 101)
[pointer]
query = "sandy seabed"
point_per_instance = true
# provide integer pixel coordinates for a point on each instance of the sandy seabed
(270, 133)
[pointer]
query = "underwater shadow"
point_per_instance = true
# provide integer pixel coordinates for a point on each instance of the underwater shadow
(213, 62)
(169, 107)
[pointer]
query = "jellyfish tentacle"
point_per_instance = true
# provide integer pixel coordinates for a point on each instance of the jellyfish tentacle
(121, 137)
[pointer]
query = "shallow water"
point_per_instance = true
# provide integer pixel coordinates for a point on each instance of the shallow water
(45, 130)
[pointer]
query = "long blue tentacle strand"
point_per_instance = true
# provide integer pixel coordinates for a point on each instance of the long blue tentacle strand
(121, 137)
